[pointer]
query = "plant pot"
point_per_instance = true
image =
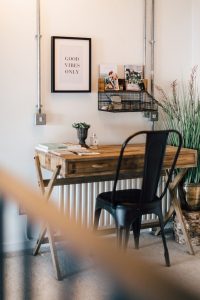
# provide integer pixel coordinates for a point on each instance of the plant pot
(190, 196)
(82, 136)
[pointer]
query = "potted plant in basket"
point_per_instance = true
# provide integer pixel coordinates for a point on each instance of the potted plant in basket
(82, 132)
(181, 110)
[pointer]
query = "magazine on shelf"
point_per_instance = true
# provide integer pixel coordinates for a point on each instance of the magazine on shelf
(109, 73)
(134, 77)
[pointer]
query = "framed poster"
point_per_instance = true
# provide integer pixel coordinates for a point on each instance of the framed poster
(70, 64)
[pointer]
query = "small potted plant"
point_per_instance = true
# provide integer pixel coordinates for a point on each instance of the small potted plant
(82, 132)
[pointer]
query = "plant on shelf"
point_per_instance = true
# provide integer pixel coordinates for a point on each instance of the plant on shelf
(180, 109)
(82, 132)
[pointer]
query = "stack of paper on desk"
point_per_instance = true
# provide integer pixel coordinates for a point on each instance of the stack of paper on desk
(50, 146)
(64, 149)
(84, 151)
(56, 146)
(76, 151)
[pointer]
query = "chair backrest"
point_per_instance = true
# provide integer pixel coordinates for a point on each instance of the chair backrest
(155, 147)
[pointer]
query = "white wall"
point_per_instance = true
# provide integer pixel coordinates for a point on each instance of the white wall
(116, 29)
(196, 34)
(116, 32)
(173, 35)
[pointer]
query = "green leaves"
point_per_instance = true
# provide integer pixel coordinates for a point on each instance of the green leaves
(80, 125)
(180, 109)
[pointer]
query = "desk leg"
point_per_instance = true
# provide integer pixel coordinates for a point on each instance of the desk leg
(175, 203)
(39, 240)
(47, 194)
(172, 187)
(179, 215)
(175, 207)
(166, 218)
(54, 254)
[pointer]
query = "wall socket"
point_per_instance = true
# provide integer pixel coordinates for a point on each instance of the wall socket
(154, 116)
(147, 114)
(40, 119)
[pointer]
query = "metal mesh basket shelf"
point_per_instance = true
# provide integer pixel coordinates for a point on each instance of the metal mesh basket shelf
(130, 101)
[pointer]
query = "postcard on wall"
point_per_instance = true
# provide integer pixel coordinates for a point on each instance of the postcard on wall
(109, 73)
(134, 77)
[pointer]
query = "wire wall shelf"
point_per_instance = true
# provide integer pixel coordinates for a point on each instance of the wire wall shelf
(126, 101)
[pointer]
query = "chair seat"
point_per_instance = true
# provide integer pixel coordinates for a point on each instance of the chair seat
(127, 199)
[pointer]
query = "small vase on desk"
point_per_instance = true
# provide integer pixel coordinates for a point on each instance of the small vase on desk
(82, 136)
(82, 132)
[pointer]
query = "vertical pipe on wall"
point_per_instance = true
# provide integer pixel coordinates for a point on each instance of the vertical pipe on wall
(152, 44)
(145, 38)
(38, 37)
(152, 50)
(149, 47)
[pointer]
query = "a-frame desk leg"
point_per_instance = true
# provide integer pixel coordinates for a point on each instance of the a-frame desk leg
(45, 228)
(176, 207)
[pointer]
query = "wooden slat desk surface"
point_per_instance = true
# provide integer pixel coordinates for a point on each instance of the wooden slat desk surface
(102, 166)
(74, 169)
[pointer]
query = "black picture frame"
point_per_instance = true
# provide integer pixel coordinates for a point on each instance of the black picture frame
(70, 64)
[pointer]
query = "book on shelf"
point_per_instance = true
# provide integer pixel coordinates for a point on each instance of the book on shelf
(134, 77)
(109, 73)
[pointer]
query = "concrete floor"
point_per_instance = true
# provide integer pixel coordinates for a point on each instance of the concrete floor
(81, 281)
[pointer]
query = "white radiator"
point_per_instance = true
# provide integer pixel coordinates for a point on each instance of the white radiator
(79, 200)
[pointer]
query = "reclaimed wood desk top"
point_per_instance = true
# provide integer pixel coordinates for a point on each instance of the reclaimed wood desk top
(102, 166)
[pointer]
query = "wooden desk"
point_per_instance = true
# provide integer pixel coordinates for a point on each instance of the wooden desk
(72, 169)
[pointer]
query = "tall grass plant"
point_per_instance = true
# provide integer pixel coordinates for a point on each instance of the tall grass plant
(180, 109)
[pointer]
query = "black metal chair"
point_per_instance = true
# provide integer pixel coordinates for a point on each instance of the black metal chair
(128, 206)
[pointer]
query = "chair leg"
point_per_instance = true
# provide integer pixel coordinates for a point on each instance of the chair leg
(136, 231)
(97, 214)
(126, 237)
(119, 236)
(166, 252)
(122, 237)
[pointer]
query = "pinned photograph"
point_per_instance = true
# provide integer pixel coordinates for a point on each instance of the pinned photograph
(109, 73)
(134, 77)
